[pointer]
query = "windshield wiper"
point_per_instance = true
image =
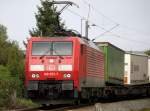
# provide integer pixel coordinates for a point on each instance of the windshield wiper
(57, 54)
(51, 50)
(45, 54)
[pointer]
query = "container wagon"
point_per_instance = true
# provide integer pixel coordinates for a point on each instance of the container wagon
(136, 74)
(115, 78)
(136, 69)
(114, 63)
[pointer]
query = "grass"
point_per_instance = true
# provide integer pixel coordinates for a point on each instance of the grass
(145, 110)
(21, 103)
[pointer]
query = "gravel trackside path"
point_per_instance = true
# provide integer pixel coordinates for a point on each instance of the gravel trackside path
(129, 105)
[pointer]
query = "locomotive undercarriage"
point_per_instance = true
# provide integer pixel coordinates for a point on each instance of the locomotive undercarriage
(63, 92)
(50, 90)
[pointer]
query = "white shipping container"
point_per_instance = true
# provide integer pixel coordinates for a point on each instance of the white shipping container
(136, 69)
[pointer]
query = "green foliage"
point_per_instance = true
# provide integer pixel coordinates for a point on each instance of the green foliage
(11, 56)
(14, 59)
(142, 110)
(3, 33)
(4, 72)
(8, 86)
(3, 38)
(147, 52)
(22, 102)
(11, 69)
(47, 20)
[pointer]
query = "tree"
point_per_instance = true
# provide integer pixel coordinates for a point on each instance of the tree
(10, 54)
(3, 33)
(147, 52)
(3, 38)
(48, 21)
(11, 68)
(8, 86)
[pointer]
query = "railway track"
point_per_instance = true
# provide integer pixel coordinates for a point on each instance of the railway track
(70, 107)
(56, 107)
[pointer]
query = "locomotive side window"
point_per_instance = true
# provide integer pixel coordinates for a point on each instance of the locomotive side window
(41, 48)
(62, 48)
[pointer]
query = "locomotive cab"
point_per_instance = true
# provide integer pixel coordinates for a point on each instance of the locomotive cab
(50, 70)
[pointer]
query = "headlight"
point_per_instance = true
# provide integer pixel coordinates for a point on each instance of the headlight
(35, 75)
(67, 75)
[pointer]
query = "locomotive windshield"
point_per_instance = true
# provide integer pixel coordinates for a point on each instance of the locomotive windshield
(52, 48)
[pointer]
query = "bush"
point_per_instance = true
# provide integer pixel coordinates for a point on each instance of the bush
(22, 102)
(11, 70)
(8, 86)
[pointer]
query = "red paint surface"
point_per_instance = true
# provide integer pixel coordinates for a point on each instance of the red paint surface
(86, 61)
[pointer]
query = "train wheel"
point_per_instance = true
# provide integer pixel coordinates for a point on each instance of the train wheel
(44, 105)
(77, 102)
(90, 101)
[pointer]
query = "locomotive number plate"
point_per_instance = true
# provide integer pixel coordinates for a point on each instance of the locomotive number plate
(51, 74)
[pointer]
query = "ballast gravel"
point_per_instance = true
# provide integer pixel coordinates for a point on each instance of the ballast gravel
(130, 105)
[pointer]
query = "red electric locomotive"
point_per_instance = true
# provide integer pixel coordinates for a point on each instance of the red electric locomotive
(60, 69)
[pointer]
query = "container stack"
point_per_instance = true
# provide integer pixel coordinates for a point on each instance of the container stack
(136, 69)
(114, 63)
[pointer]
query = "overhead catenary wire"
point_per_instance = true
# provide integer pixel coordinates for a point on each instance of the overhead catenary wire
(118, 36)
(112, 28)
(128, 39)
(109, 30)
(99, 12)
(117, 24)
(113, 21)
(83, 18)
(106, 31)
(135, 30)
(75, 13)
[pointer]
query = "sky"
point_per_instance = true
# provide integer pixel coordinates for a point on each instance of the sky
(132, 18)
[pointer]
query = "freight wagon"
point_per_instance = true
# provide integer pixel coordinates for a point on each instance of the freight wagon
(136, 69)
(115, 79)
(62, 70)
(114, 63)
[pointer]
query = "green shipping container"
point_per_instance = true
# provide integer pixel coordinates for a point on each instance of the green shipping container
(114, 63)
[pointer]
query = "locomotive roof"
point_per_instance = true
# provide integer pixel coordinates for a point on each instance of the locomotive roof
(89, 43)
(82, 40)
(54, 38)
